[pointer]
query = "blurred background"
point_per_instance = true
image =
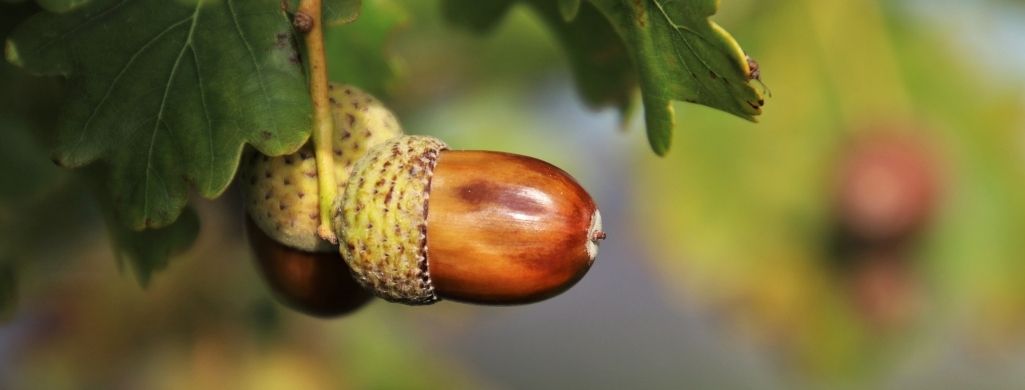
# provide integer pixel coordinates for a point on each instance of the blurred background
(867, 233)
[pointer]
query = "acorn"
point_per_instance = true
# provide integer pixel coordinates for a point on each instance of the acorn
(418, 223)
(282, 203)
(317, 284)
(281, 193)
(887, 186)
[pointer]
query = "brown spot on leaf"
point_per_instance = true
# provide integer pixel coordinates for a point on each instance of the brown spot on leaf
(640, 13)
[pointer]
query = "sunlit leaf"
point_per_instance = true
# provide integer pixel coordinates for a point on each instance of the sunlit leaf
(681, 55)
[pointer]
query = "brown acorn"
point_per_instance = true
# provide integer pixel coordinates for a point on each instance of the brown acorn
(418, 223)
(319, 284)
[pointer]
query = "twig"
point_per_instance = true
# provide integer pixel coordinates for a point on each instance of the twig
(308, 21)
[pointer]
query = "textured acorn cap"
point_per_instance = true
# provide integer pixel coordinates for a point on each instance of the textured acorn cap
(381, 219)
(281, 192)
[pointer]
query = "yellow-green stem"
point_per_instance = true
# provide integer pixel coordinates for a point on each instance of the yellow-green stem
(323, 126)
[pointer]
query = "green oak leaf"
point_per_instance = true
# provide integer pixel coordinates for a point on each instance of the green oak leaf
(357, 52)
(681, 55)
(598, 58)
(335, 12)
(167, 93)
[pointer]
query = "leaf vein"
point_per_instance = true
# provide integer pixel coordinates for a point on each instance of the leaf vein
(117, 79)
(163, 105)
(206, 116)
(249, 49)
(85, 23)
(678, 28)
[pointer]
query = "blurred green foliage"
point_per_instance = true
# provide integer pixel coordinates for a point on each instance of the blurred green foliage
(741, 215)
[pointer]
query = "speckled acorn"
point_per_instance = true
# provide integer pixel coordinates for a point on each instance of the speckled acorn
(281, 192)
(317, 284)
(419, 222)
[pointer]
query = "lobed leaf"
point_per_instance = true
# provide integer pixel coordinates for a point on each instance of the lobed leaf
(167, 93)
(681, 55)
(677, 52)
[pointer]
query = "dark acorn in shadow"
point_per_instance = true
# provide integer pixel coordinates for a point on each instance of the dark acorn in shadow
(317, 284)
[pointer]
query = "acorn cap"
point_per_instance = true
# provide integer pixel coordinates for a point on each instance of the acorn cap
(381, 219)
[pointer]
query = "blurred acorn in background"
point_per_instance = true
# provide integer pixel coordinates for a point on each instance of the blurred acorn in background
(886, 188)
(886, 184)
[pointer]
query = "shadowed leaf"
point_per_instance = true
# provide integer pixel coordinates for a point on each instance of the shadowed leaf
(599, 60)
(61, 5)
